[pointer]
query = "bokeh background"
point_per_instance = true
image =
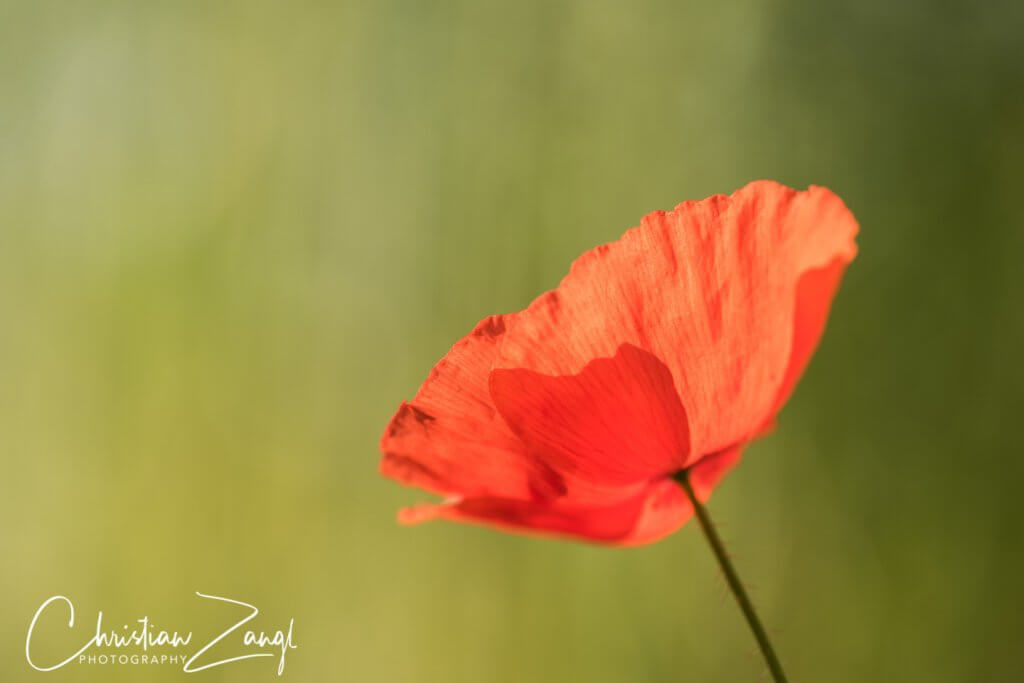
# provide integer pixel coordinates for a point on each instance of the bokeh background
(234, 235)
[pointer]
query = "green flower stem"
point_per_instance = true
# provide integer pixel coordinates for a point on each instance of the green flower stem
(733, 579)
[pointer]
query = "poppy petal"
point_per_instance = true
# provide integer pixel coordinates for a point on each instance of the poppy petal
(814, 294)
(707, 472)
(656, 511)
(617, 423)
(710, 288)
(450, 439)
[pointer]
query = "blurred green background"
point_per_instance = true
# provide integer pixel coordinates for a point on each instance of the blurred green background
(233, 236)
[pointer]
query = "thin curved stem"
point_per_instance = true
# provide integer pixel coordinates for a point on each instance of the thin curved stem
(733, 579)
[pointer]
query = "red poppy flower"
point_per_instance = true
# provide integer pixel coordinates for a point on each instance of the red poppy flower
(668, 350)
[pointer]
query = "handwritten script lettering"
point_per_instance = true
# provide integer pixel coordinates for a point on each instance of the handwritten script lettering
(143, 635)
